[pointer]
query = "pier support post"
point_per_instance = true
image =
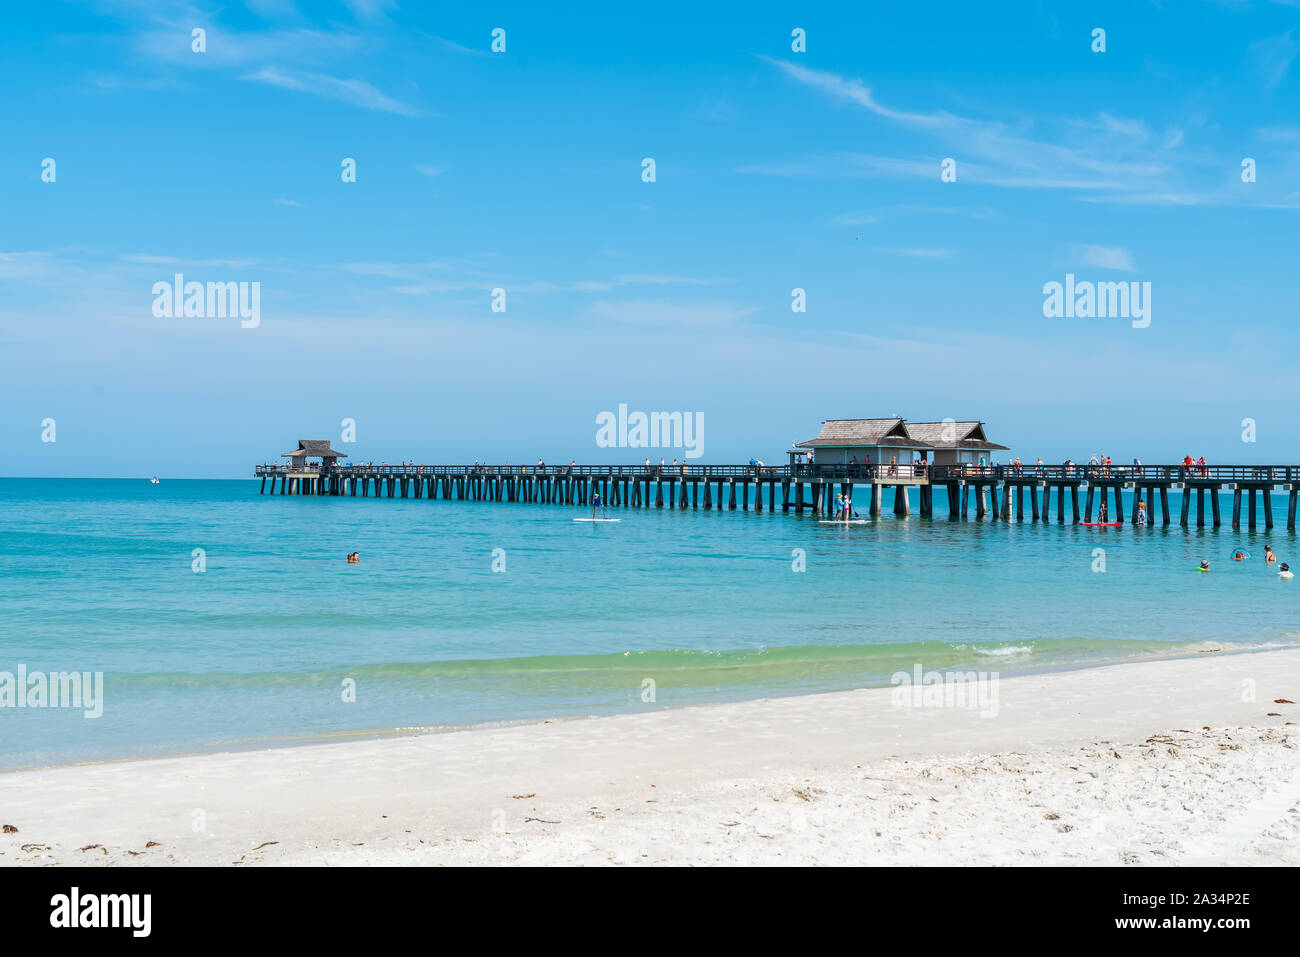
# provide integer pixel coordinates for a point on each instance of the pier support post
(1187, 504)
(1290, 509)
(1214, 506)
(1267, 495)
(1087, 508)
(875, 498)
(1252, 510)
(1200, 508)
(1074, 503)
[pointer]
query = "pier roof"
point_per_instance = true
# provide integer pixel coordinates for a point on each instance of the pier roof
(314, 448)
(875, 432)
(954, 435)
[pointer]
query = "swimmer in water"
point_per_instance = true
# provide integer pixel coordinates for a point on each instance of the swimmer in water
(1284, 569)
(354, 558)
(1205, 565)
(1269, 557)
(1238, 556)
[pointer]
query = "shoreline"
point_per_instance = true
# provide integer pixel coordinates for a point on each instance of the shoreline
(1168, 747)
(244, 746)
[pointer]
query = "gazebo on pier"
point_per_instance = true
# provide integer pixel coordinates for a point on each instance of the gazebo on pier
(313, 449)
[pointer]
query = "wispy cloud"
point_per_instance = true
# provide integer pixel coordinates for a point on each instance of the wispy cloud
(354, 91)
(1103, 155)
(1105, 257)
(426, 169)
(654, 279)
(673, 313)
(370, 9)
(23, 265)
(1274, 57)
(153, 260)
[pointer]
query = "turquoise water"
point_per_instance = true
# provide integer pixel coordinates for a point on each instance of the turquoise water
(96, 575)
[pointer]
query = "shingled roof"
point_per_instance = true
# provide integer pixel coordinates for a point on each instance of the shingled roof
(954, 435)
(878, 432)
(315, 448)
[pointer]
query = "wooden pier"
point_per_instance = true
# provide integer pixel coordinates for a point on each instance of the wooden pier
(812, 488)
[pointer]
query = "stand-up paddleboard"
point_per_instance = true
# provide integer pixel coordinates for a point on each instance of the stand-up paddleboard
(1101, 524)
(598, 520)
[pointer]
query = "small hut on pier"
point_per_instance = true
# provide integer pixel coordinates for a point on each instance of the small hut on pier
(845, 441)
(955, 443)
(313, 449)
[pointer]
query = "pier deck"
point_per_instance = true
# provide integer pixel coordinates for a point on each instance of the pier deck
(813, 487)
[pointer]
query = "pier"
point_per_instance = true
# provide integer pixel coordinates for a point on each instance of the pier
(999, 491)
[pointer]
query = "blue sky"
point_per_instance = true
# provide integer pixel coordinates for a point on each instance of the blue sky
(522, 170)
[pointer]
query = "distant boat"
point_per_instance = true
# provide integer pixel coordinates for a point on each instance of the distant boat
(154, 480)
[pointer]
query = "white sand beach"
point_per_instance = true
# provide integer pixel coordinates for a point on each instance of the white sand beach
(1186, 761)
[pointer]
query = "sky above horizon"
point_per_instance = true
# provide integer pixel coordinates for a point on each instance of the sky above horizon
(522, 170)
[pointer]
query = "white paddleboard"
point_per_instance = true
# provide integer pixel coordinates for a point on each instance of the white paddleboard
(598, 520)
(855, 521)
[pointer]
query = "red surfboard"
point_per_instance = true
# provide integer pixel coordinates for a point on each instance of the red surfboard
(1102, 524)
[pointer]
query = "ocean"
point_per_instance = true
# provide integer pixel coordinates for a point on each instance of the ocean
(277, 640)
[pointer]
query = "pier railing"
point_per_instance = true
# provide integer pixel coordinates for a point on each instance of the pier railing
(920, 473)
(1136, 474)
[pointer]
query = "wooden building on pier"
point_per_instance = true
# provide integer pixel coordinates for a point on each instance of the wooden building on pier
(859, 441)
(299, 458)
(956, 443)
